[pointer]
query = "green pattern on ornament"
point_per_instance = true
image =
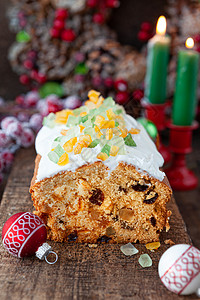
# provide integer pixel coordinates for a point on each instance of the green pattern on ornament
(149, 126)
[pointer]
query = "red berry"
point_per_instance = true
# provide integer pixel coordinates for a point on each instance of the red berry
(42, 107)
(197, 38)
(98, 18)
(31, 54)
(41, 78)
(22, 23)
(36, 122)
(79, 57)
(92, 3)
(55, 33)
(68, 35)
(53, 108)
(23, 116)
(28, 64)
(61, 13)
(34, 74)
(198, 49)
(108, 82)
(97, 81)
(8, 158)
(138, 94)
(14, 130)
(52, 99)
(24, 79)
(121, 85)
(144, 36)
(146, 26)
(4, 139)
(79, 78)
(53, 103)
(31, 99)
(122, 97)
(20, 100)
(58, 24)
(112, 3)
(20, 14)
(72, 102)
(7, 121)
(27, 138)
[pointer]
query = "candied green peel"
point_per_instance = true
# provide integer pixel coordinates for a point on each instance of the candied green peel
(144, 260)
(99, 123)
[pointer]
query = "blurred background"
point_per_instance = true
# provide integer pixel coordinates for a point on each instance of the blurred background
(125, 20)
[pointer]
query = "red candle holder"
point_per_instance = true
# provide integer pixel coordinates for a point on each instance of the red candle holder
(156, 114)
(180, 177)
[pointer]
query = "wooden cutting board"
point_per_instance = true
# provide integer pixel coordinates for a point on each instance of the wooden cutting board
(80, 272)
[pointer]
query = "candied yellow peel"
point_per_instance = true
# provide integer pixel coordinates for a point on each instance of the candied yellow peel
(153, 246)
(63, 160)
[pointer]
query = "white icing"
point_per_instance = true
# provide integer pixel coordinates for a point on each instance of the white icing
(144, 156)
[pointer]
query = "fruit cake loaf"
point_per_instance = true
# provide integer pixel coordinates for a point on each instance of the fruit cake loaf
(97, 176)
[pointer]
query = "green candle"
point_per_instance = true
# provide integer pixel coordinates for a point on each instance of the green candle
(185, 98)
(157, 62)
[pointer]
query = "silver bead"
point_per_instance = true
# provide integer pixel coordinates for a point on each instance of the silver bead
(43, 251)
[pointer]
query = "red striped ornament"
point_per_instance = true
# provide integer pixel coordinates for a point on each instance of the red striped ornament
(24, 234)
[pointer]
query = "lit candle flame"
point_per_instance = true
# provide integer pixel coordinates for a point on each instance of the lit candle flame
(189, 43)
(161, 26)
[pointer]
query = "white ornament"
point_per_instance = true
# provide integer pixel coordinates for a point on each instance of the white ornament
(179, 269)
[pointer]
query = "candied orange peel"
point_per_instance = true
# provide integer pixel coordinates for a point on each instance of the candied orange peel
(68, 146)
(153, 246)
(86, 138)
(93, 96)
(102, 156)
(62, 116)
(134, 131)
(81, 128)
(114, 150)
(64, 131)
(63, 160)
(109, 134)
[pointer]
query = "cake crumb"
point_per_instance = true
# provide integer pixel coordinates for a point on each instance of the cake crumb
(92, 245)
(169, 242)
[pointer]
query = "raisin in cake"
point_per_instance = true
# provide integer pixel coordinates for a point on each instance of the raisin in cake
(97, 176)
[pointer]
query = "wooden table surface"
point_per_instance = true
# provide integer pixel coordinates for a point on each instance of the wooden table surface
(80, 272)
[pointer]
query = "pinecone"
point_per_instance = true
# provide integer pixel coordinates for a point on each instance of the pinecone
(132, 68)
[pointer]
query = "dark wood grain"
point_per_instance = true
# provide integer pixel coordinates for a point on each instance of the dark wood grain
(81, 272)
